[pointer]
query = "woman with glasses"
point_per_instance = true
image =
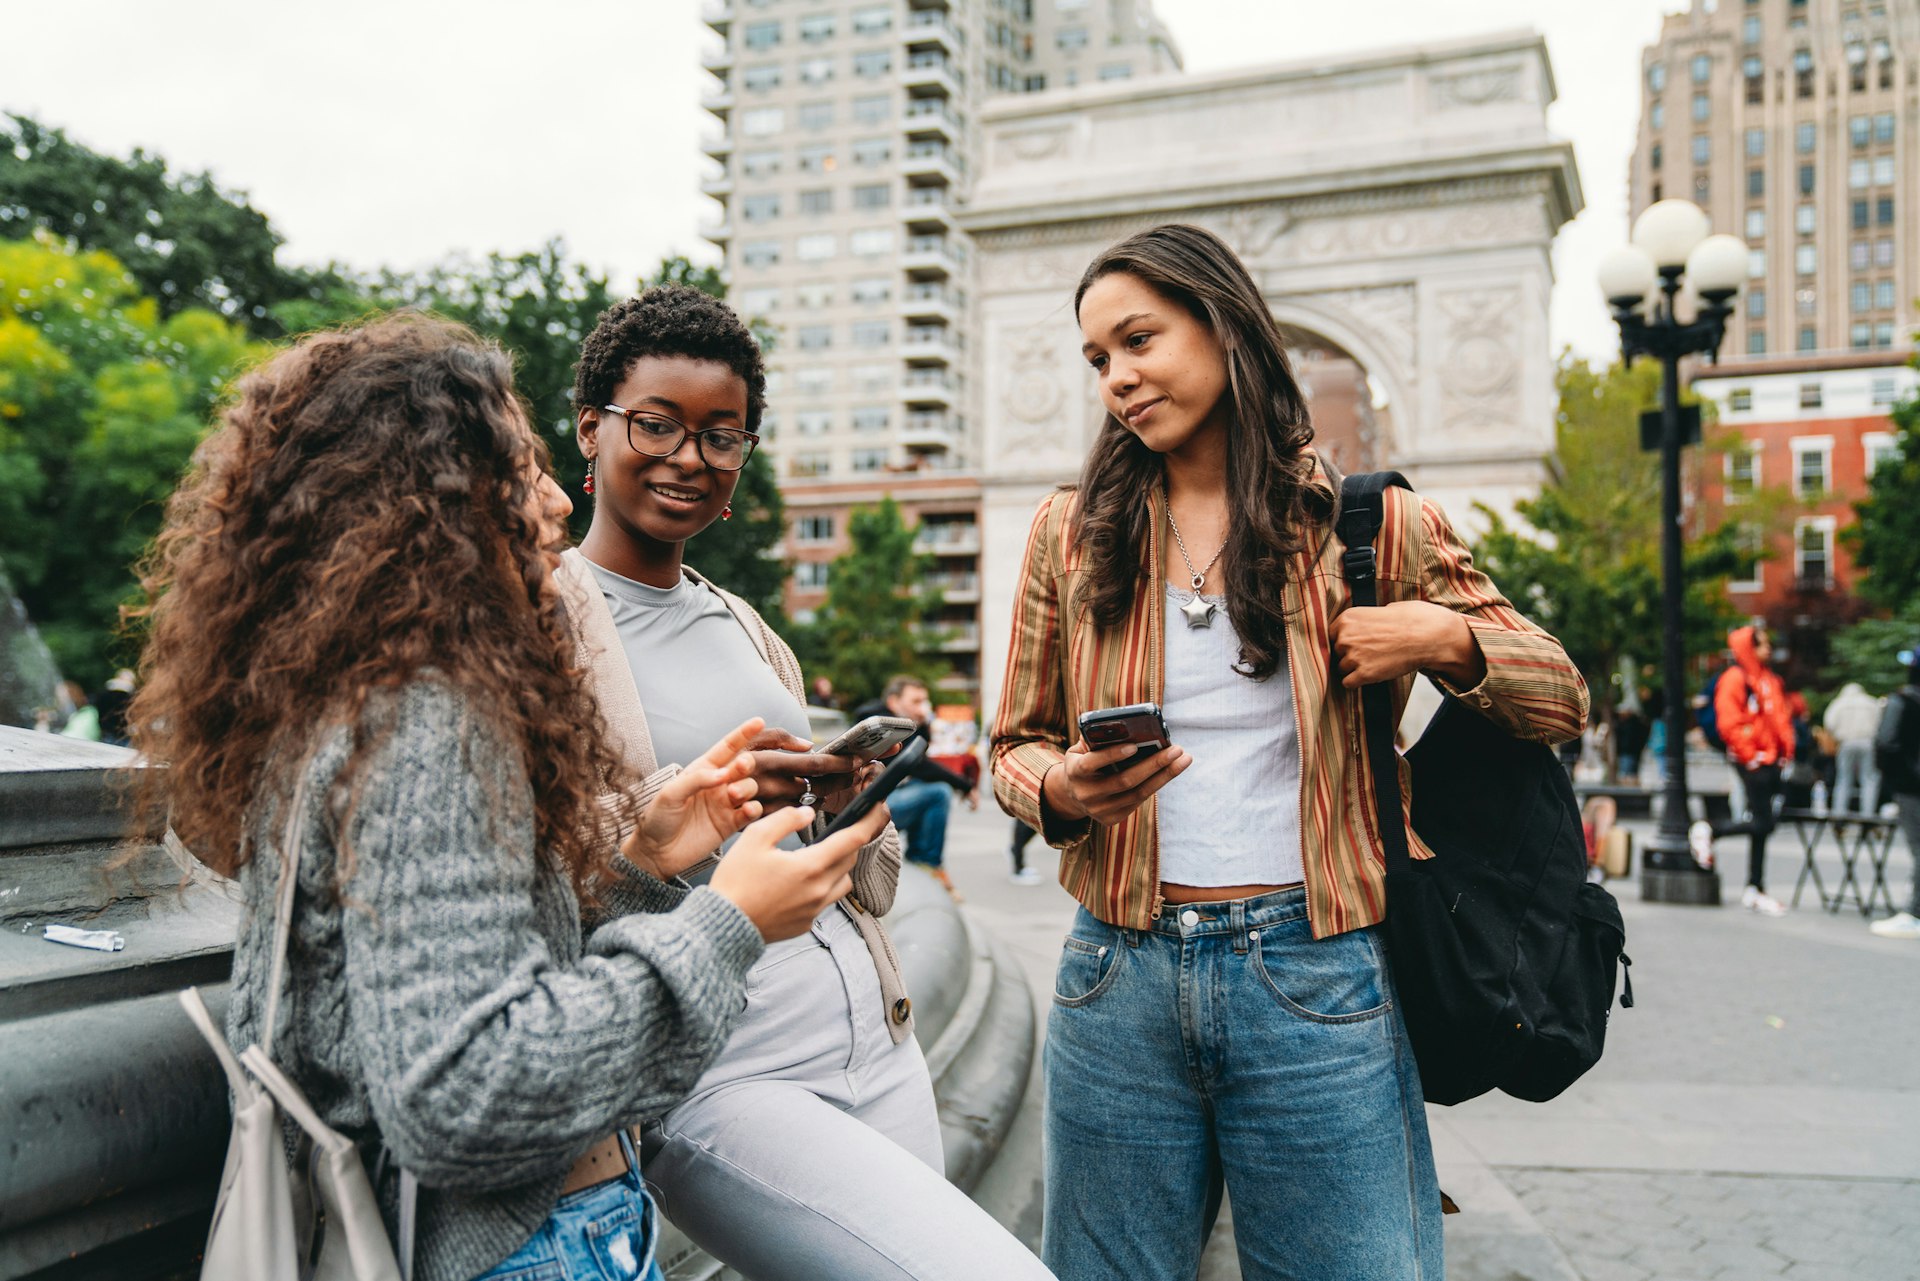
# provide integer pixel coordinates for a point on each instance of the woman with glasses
(810, 1147)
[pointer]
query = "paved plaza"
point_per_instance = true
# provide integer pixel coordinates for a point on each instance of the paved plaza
(1757, 1114)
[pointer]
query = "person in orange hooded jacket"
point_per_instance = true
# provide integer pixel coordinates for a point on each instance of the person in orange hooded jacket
(1755, 721)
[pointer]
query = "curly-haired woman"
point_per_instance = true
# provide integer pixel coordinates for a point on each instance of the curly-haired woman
(810, 1148)
(355, 636)
(1223, 1015)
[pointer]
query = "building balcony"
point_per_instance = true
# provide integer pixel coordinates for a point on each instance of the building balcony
(927, 211)
(930, 29)
(930, 77)
(931, 164)
(718, 61)
(717, 231)
(930, 303)
(717, 14)
(718, 185)
(949, 638)
(718, 101)
(934, 345)
(949, 538)
(955, 589)
(931, 257)
(932, 118)
(717, 144)
(932, 432)
(929, 388)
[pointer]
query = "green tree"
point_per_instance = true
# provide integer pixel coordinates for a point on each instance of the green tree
(868, 629)
(1886, 538)
(739, 554)
(103, 398)
(1585, 564)
(184, 239)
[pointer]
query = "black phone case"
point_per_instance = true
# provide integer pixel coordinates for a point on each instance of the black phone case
(895, 774)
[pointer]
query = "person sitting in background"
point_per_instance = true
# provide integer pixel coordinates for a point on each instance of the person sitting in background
(1896, 747)
(85, 719)
(110, 704)
(821, 695)
(922, 804)
(1853, 718)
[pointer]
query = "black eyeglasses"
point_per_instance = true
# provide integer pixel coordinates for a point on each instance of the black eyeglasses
(721, 448)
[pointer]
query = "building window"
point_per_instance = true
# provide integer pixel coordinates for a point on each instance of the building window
(813, 380)
(872, 333)
(816, 70)
(1757, 343)
(763, 77)
(1803, 135)
(760, 253)
(1803, 219)
(1883, 334)
(1657, 116)
(1068, 39)
(1859, 131)
(869, 460)
(1810, 396)
(819, 246)
(1883, 128)
(1750, 29)
(813, 422)
(1860, 335)
(876, 195)
(759, 164)
(1116, 70)
(1740, 400)
(760, 35)
(871, 418)
(816, 158)
(1861, 210)
(872, 63)
(813, 529)
(1702, 67)
(1742, 465)
(1883, 295)
(816, 115)
(816, 28)
(873, 109)
(1813, 552)
(814, 294)
(1803, 300)
(1883, 211)
(1702, 107)
(872, 289)
(1756, 83)
(758, 302)
(760, 208)
(1857, 257)
(1702, 149)
(870, 153)
(814, 338)
(871, 243)
(1883, 252)
(819, 201)
(1806, 260)
(1756, 224)
(810, 575)
(1657, 77)
(1880, 447)
(1809, 338)
(1810, 467)
(1885, 391)
(1757, 304)
(1883, 171)
(1859, 172)
(1802, 74)
(1750, 544)
(873, 20)
(762, 121)
(1756, 264)
(1756, 142)
(1756, 183)
(874, 375)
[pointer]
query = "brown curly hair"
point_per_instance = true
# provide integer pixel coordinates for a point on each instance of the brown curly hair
(361, 518)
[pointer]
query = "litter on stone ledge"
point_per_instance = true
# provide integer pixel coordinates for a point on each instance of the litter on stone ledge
(98, 940)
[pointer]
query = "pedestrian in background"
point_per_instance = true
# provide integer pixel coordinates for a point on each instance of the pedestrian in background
(1223, 1013)
(1022, 874)
(1896, 746)
(84, 721)
(1853, 718)
(922, 805)
(821, 694)
(110, 705)
(1755, 721)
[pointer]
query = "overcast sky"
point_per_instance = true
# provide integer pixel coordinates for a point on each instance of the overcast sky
(394, 133)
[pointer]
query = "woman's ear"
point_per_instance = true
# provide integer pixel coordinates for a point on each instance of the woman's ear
(586, 431)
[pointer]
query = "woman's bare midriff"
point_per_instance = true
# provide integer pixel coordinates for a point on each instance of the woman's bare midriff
(1217, 893)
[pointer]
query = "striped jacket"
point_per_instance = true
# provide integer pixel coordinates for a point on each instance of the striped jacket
(1060, 665)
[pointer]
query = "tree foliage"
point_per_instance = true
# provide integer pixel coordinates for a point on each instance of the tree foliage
(1586, 563)
(1886, 539)
(183, 239)
(867, 630)
(103, 397)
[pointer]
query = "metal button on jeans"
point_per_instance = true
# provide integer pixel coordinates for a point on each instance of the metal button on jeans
(1189, 918)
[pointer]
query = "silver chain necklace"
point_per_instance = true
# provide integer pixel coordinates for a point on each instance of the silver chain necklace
(1199, 610)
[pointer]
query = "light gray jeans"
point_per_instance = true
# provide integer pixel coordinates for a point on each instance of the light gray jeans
(1856, 779)
(810, 1149)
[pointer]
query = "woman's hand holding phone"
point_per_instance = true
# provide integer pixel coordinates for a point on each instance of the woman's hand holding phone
(700, 809)
(782, 891)
(787, 765)
(1079, 788)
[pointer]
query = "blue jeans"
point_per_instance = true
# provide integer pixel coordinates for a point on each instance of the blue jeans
(1224, 1047)
(920, 810)
(608, 1232)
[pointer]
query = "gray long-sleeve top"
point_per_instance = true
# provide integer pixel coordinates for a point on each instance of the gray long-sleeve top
(450, 1007)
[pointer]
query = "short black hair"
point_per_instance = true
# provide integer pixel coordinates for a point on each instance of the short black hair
(668, 320)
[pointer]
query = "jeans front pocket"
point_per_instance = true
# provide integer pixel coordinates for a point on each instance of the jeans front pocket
(621, 1243)
(1086, 970)
(1333, 980)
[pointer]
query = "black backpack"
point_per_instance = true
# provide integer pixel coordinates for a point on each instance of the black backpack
(1504, 955)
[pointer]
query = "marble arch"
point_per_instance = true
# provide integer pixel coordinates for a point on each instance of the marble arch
(1402, 204)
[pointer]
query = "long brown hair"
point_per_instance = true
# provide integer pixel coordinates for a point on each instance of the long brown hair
(1268, 432)
(361, 518)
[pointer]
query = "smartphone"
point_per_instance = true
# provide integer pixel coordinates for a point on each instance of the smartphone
(871, 737)
(1139, 723)
(895, 774)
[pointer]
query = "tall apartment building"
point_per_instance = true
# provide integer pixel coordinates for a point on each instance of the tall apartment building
(846, 143)
(1796, 125)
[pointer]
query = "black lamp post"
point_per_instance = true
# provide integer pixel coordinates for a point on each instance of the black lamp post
(1672, 268)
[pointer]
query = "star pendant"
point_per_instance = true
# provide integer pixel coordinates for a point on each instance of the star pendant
(1199, 611)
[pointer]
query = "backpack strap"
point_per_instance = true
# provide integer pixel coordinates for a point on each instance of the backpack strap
(1362, 512)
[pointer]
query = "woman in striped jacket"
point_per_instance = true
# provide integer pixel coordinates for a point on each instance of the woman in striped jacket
(1223, 1015)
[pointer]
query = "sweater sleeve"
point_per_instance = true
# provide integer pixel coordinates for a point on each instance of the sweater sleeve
(490, 1059)
(1531, 689)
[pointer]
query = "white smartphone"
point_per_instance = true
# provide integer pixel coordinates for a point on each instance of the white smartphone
(870, 737)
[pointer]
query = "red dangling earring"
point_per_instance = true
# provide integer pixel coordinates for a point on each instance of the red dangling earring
(588, 486)
(726, 513)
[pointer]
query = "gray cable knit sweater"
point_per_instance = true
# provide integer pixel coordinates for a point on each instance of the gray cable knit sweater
(451, 1008)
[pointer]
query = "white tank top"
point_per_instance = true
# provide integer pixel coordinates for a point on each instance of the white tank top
(1234, 817)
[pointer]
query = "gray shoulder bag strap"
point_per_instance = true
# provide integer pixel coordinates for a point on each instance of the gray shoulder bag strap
(267, 1212)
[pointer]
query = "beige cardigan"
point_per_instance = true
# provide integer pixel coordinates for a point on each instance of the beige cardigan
(598, 651)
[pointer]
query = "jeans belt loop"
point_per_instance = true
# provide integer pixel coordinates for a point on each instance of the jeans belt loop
(1237, 917)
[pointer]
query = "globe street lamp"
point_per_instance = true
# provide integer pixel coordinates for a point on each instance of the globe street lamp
(1671, 291)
